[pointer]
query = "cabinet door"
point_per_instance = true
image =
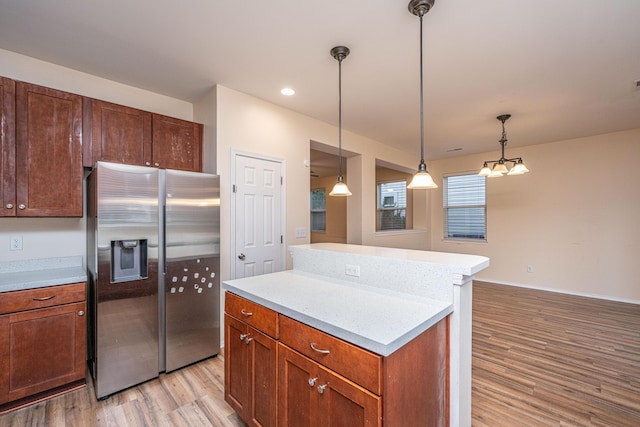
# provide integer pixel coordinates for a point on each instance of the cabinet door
(236, 356)
(117, 134)
(262, 379)
(312, 395)
(345, 404)
(7, 147)
(297, 379)
(41, 349)
(177, 144)
(48, 152)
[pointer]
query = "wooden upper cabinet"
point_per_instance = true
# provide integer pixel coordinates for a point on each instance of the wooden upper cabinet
(177, 144)
(7, 147)
(115, 133)
(48, 152)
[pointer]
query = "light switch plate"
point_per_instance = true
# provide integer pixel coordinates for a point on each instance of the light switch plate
(15, 243)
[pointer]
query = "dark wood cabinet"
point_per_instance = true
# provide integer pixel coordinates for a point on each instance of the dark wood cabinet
(312, 395)
(7, 147)
(42, 342)
(119, 134)
(251, 360)
(323, 380)
(115, 133)
(177, 144)
(48, 152)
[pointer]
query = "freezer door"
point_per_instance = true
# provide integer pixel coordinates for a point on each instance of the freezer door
(192, 266)
(125, 292)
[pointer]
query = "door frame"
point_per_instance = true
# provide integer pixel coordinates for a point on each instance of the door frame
(283, 204)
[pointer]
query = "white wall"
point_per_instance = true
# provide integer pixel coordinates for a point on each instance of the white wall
(57, 237)
(575, 217)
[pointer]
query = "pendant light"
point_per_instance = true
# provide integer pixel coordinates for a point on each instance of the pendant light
(499, 167)
(422, 179)
(340, 189)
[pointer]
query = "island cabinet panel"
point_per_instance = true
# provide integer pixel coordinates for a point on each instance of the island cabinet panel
(322, 380)
(251, 361)
(7, 147)
(48, 152)
(177, 144)
(311, 395)
(42, 350)
(115, 133)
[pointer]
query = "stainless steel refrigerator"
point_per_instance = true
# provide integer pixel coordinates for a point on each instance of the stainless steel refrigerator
(153, 257)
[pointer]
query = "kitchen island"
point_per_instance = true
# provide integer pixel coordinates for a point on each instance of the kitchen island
(383, 301)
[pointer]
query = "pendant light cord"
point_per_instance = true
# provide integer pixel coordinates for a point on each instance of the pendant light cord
(421, 97)
(340, 114)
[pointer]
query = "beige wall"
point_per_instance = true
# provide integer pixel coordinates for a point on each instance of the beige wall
(336, 213)
(250, 125)
(575, 217)
(57, 237)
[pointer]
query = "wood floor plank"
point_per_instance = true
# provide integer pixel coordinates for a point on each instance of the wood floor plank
(539, 359)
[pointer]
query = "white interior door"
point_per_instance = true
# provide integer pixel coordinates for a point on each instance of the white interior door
(258, 238)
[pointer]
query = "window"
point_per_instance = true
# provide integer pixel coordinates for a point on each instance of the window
(465, 208)
(392, 206)
(319, 210)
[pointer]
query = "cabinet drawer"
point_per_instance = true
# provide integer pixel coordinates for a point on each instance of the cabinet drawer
(30, 299)
(256, 315)
(359, 365)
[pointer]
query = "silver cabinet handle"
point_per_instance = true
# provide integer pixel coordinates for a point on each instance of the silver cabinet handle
(9, 206)
(21, 206)
(248, 340)
(81, 313)
(242, 256)
(246, 313)
(44, 298)
(147, 163)
(321, 388)
(314, 348)
(243, 336)
(312, 381)
(156, 164)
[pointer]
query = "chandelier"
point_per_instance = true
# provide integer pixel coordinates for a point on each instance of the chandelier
(502, 166)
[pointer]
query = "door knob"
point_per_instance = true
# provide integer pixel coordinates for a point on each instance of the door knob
(242, 256)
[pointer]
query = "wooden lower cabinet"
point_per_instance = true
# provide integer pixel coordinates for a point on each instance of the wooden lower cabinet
(43, 345)
(250, 373)
(299, 376)
(311, 395)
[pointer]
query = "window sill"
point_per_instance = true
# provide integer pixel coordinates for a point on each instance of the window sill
(395, 232)
(465, 241)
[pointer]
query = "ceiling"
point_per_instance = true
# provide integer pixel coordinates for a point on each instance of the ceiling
(563, 69)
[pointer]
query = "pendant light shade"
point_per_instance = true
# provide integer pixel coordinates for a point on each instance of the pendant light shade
(500, 166)
(340, 189)
(422, 179)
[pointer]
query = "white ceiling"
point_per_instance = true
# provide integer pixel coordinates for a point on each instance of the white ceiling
(563, 69)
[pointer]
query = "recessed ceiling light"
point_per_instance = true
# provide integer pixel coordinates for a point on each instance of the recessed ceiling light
(287, 91)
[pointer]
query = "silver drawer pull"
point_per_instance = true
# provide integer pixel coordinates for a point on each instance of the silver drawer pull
(248, 340)
(321, 388)
(246, 313)
(44, 298)
(319, 350)
(243, 336)
(312, 381)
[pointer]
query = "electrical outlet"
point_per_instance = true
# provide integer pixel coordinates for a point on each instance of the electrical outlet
(352, 270)
(529, 268)
(15, 243)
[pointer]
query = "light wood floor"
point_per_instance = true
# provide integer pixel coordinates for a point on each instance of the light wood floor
(539, 359)
(547, 359)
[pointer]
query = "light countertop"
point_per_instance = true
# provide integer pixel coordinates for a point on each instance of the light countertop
(40, 273)
(379, 320)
